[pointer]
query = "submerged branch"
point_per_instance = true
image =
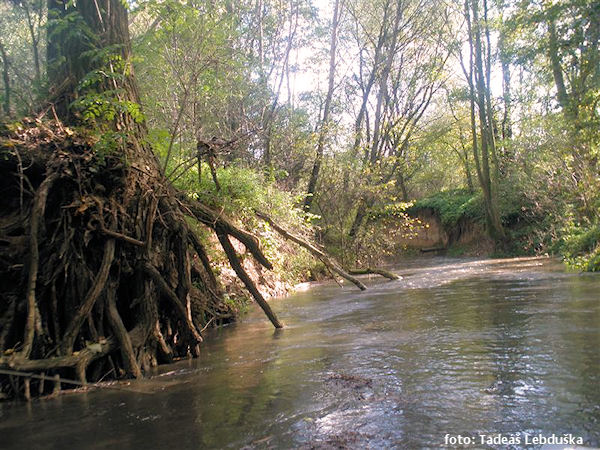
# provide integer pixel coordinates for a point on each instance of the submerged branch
(384, 273)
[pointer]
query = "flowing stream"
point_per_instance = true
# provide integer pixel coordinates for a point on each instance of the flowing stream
(457, 347)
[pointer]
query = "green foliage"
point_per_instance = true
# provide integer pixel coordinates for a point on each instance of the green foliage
(207, 69)
(452, 206)
(244, 191)
(109, 143)
(101, 95)
(238, 304)
(18, 40)
(389, 210)
(580, 247)
(101, 107)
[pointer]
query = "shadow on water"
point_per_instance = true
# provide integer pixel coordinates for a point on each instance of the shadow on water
(457, 346)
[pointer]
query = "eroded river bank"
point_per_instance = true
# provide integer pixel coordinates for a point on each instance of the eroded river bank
(457, 347)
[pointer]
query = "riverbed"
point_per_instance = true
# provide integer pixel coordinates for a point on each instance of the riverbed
(456, 348)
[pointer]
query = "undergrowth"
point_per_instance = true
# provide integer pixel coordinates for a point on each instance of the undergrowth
(244, 191)
(580, 247)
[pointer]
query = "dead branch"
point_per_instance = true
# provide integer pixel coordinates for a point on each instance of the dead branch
(311, 248)
(241, 273)
(384, 273)
(86, 355)
(121, 237)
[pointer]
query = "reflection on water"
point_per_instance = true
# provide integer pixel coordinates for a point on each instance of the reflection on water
(459, 347)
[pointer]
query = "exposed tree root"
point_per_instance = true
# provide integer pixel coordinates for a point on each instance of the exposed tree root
(125, 345)
(96, 261)
(172, 297)
(74, 326)
(37, 212)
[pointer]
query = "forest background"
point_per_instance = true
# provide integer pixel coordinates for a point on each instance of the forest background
(341, 117)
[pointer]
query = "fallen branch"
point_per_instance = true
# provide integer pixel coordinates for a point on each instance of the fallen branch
(82, 357)
(382, 272)
(213, 220)
(314, 250)
(241, 273)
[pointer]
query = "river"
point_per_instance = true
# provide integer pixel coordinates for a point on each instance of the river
(457, 348)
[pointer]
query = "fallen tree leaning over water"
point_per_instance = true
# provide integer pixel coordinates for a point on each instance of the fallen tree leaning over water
(331, 265)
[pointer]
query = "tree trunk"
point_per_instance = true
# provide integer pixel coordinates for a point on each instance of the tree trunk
(482, 98)
(34, 42)
(506, 94)
(6, 79)
(314, 176)
(584, 162)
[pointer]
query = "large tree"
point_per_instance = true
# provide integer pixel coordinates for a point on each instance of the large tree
(477, 71)
(100, 270)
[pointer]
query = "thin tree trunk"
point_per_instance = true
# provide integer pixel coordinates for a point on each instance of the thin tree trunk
(477, 77)
(367, 88)
(506, 94)
(557, 72)
(268, 121)
(6, 79)
(402, 184)
(314, 176)
(34, 43)
(488, 99)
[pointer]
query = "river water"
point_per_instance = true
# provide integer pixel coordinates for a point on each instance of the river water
(457, 347)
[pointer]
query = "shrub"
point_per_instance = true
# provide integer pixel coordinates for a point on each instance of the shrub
(452, 206)
(580, 246)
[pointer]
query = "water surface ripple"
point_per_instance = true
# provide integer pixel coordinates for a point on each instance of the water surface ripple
(457, 346)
